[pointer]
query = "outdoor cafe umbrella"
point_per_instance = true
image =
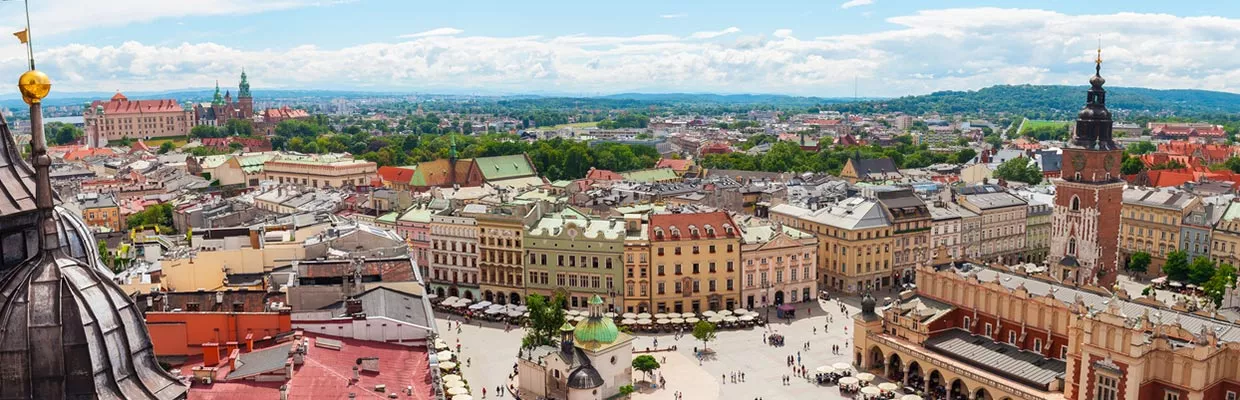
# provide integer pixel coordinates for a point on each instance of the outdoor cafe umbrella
(451, 377)
(848, 381)
(888, 386)
(660, 316)
(447, 365)
(571, 313)
(480, 305)
(629, 315)
(458, 391)
(910, 397)
(462, 397)
(628, 321)
(692, 320)
(825, 369)
(493, 311)
(729, 319)
(514, 313)
(746, 318)
(724, 313)
(662, 321)
(440, 344)
(444, 355)
(715, 319)
(579, 318)
(678, 320)
(450, 299)
(643, 321)
(499, 306)
(842, 366)
(643, 316)
(865, 377)
(740, 311)
(609, 315)
(708, 313)
(454, 384)
(463, 302)
(674, 315)
(870, 391)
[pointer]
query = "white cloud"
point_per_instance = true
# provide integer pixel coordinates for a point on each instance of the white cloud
(920, 52)
(856, 3)
(59, 16)
(433, 32)
(673, 16)
(714, 34)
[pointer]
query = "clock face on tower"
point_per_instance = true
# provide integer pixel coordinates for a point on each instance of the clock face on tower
(1108, 162)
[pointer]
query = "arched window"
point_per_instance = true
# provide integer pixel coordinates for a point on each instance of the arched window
(1072, 246)
(1078, 176)
(1076, 204)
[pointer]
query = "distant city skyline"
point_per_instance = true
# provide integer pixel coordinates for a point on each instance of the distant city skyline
(806, 48)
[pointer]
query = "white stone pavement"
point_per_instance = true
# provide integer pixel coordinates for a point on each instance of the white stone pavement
(488, 355)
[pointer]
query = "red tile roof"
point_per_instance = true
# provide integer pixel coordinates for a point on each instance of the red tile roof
(285, 113)
(326, 375)
(678, 165)
(603, 175)
(121, 105)
(84, 153)
(661, 226)
(396, 174)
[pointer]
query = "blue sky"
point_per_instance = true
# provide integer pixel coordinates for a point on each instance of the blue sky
(816, 48)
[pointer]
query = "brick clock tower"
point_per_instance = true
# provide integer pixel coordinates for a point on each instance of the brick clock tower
(1088, 196)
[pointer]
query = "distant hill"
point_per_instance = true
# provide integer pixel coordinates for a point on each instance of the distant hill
(768, 99)
(1053, 102)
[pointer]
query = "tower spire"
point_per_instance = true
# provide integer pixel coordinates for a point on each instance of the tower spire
(1098, 59)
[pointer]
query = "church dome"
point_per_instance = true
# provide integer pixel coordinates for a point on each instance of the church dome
(68, 331)
(585, 377)
(596, 328)
(1097, 81)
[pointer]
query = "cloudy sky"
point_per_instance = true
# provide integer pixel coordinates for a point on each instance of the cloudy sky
(814, 47)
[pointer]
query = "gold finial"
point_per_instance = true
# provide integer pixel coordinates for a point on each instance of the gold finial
(1099, 59)
(34, 85)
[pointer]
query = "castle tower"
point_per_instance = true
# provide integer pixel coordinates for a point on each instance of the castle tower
(245, 103)
(1088, 197)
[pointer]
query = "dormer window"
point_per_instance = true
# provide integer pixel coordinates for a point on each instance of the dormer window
(693, 230)
(675, 232)
(658, 233)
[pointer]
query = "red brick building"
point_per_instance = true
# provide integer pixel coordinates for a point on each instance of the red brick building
(1088, 197)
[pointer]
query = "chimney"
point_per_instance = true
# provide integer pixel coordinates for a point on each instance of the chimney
(353, 306)
(210, 354)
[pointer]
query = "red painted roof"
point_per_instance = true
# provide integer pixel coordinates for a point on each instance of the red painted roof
(121, 105)
(664, 223)
(83, 153)
(395, 174)
(326, 374)
(285, 113)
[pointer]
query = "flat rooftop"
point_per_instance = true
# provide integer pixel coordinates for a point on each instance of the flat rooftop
(326, 374)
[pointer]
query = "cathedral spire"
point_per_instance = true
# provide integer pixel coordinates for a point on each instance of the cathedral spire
(218, 100)
(244, 87)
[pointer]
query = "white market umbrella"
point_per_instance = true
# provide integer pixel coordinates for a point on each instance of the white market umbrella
(870, 391)
(746, 318)
(609, 315)
(729, 319)
(493, 311)
(643, 321)
(629, 315)
(865, 377)
(643, 316)
(662, 321)
(444, 355)
(724, 313)
(497, 306)
(740, 311)
(628, 321)
(450, 299)
(888, 386)
(571, 313)
(678, 320)
(673, 315)
(910, 397)
(848, 381)
(447, 365)
(440, 345)
(715, 319)
(708, 313)
(692, 320)
(451, 377)
(514, 313)
(579, 318)
(825, 369)
(480, 305)
(660, 316)
(462, 397)
(454, 384)
(842, 366)
(463, 302)
(458, 391)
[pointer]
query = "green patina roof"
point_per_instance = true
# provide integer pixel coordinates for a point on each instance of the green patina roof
(596, 329)
(254, 164)
(566, 327)
(596, 300)
(417, 215)
(650, 175)
(504, 167)
(389, 218)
